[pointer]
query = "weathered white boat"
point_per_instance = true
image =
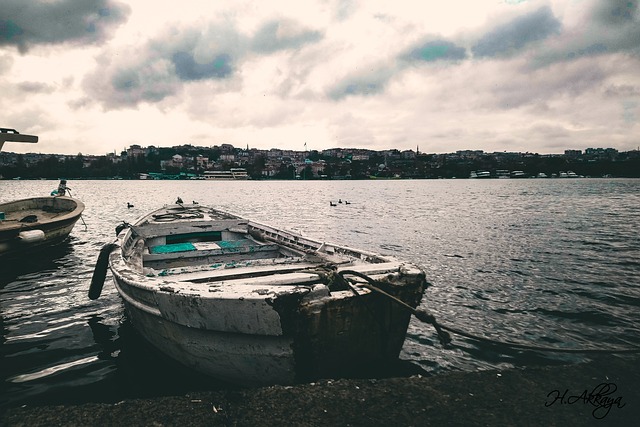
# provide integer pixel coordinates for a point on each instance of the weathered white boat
(37, 222)
(251, 304)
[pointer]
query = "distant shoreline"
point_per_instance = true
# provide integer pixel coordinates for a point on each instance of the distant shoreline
(288, 180)
(189, 162)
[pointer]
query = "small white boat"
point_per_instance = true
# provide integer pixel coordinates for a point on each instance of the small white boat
(254, 305)
(36, 222)
(480, 174)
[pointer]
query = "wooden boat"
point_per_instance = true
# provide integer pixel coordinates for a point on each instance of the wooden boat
(254, 305)
(37, 222)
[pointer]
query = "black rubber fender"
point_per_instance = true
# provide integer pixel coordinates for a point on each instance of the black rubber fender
(100, 271)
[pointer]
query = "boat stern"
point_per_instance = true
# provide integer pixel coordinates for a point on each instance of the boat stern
(356, 331)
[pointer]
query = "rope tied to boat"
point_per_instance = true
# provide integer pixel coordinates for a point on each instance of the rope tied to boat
(122, 226)
(445, 337)
(172, 216)
(81, 218)
(422, 315)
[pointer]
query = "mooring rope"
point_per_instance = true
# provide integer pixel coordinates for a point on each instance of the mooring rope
(422, 315)
(171, 216)
(445, 337)
(85, 224)
(81, 218)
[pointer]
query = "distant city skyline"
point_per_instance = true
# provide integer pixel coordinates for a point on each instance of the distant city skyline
(538, 76)
(416, 150)
(191, 162)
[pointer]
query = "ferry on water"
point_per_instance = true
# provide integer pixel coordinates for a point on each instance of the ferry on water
(480, 174)
(233, 174)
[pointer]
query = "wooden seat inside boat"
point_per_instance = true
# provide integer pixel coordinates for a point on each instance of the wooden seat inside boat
(225, 247)
(221, 246)
(33, 211)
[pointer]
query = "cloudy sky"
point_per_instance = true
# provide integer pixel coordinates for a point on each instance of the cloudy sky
(95, 76)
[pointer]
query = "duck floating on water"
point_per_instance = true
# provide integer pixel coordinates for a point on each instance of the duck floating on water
(331, 203)
(129, 205)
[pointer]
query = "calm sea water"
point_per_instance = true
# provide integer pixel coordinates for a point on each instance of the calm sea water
(552, 263)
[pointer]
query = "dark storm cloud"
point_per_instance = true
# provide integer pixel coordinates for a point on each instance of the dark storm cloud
(374, 81)
(510, 38)
(366, 84)
(435, 50)
(25, 23)
(275, 36)
(523, 89)
(159, 69)
(616, 12)
(589, 50)
(120, 86)
(611, 26)
(125, 80)
(616, 26)
(355, 87)
(187, 68)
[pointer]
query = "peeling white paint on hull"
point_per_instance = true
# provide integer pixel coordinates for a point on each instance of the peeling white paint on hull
(255, 305)
(53, 218)
(236, 358)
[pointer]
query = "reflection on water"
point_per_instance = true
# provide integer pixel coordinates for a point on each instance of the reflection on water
(540, 262)
(39, 264)
(51, 371)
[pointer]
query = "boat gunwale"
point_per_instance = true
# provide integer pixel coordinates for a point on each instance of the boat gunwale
(202, 287)
(75, 212)
(355, 259)
(10, 228)
(144, 221)
(162, 284)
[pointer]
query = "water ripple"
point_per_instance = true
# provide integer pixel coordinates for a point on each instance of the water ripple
(539, 262)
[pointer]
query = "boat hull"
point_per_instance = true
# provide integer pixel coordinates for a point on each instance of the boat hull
(253, 305)
(50, 228)
(231, 357)
(341, 337)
